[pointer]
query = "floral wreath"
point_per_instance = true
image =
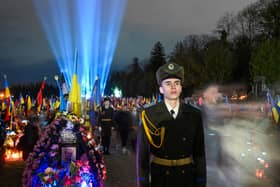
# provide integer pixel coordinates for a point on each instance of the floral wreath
(44, 167)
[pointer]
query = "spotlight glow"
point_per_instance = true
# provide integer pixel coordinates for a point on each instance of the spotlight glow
(91, 27)
(117, 92)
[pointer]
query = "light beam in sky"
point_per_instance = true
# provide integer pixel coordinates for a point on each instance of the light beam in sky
(90, 26)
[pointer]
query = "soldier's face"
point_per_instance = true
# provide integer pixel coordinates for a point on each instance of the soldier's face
(106, 104)
(171, 88)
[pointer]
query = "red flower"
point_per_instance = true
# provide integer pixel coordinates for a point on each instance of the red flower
(78, 179)
(56, 176)
(50, 181)
(79, 163)
(67, 181)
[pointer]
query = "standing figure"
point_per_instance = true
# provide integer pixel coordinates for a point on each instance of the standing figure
(3, 134)
(134, 128)
(170, 148)
(123, 119)
(30, 137)
(105, 122)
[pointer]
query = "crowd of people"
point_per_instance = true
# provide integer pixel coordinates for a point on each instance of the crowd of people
(118, 114)
(167, 137)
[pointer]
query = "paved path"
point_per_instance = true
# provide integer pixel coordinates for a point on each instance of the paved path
(230, 162)
(121, 170)
(10, 174)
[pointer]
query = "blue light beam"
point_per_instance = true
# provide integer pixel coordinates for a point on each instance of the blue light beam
(90, 26)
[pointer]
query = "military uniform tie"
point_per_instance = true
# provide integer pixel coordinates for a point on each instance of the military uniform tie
(172, 112)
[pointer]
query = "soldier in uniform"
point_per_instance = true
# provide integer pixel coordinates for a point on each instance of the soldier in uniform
(170, 148)
(105, 122)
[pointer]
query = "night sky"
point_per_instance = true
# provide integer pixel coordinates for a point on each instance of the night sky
(25, 54)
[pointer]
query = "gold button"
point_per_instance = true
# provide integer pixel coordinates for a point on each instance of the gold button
(167, 173)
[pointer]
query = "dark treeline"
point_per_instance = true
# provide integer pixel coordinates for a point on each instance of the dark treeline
(243, 46)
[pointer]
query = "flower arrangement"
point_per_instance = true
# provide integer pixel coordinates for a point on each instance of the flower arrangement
(44, 167)
(78, 174)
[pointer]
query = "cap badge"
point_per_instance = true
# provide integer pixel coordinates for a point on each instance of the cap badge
(170, 66)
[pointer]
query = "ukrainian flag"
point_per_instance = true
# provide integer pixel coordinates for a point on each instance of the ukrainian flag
(96, 95)
(275, 109)
(29, 104)
(56, 105)
(75, 92)
(60, 103)
(21, 100)
(75, 95)
(7, 99)
(6, 87)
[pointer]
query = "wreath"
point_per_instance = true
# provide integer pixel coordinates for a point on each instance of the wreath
(44, 166)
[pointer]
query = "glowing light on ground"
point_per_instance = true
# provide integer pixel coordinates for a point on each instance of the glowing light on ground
(13, 155)
(91, 27)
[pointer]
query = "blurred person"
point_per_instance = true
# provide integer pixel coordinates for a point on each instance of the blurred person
(171, 149)
(200, 101)
(123, 119)
(3, 134)
(30, 136)
(135, 125)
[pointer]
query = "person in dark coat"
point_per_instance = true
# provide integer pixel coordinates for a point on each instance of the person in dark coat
(29, 138)
(170, 147)
(134, 130)
(105, 122)
(3, 134)
(123, 119)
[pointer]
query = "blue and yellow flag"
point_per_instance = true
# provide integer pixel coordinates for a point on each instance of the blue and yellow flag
(95, 101)
(75, 95)
(61, 102)
(275, 108)
(6, 87)
(96, 95)
(28, 104)
(21, 99)
(75, 92)
(7, 99)
(56, 105)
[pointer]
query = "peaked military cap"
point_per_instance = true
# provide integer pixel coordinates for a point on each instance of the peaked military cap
(107, 99)
(169, 70)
